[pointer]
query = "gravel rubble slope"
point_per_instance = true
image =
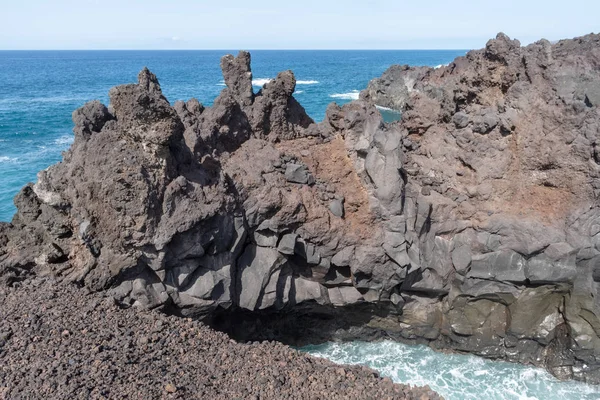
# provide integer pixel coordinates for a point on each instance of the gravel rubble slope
(61, 342)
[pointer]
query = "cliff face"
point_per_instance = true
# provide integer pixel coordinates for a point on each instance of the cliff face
(502, 144)
(471, 224)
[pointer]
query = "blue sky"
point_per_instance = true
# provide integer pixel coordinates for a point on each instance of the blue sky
(284, 24)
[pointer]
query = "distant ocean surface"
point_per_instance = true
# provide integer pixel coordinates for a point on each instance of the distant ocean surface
(40, 89)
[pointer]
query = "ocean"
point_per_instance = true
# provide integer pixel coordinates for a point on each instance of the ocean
(40, 89)
(455, 376)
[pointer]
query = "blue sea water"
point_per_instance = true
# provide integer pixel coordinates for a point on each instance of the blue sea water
(40, 89)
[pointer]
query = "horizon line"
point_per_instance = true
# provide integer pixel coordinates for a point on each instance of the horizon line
(240, 49)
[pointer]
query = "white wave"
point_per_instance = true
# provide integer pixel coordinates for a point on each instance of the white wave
(261, 81)
(456, 377)
(41, 151)
(441, 65)
(221, 83)
(382, 108)
(353, 95)
(299, 91)
(64, 140)
(52, 99)
(6, 159)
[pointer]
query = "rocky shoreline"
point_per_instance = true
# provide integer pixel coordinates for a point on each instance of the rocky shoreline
(470, 225)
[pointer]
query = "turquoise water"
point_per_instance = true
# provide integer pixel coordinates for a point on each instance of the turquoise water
(455, 376)
(40, 89)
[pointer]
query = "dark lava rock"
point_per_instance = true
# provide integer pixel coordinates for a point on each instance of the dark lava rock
(287, 244)
(460, 119)
(185, 208)
(337, 208)
(297, 173)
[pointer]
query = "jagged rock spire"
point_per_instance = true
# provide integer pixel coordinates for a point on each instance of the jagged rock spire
(238, 76)
(148, 81)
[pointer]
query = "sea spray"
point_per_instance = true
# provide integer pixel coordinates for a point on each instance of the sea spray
(455, 376)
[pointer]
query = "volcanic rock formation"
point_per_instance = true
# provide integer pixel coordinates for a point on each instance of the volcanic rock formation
(472, 224)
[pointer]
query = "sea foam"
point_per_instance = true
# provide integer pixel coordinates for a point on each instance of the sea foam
(353, 95)
(263, 81)
(391, 110)
(454, 376)
(4, 159)
(50, 99)
(64, 141)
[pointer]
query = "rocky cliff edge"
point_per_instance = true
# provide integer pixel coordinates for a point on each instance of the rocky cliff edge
(472, 224)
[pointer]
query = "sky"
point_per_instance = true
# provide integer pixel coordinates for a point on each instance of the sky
(285, 24)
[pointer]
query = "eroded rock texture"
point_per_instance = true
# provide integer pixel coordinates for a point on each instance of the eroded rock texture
(501, 158)
(470, 225)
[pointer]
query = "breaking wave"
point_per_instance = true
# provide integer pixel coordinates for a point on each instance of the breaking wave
(353, 95)
(51, 99)
(262, 81)
(64, 141)
(4, 159)
(391, 110)
(455, 376)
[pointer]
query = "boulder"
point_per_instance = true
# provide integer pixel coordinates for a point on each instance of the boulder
(461, 258)
(297, 173)
(287, 243)
(337, 208)
(256, 267)
(343, 258)
(537, 313)
(503, 265)
(460, 119)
